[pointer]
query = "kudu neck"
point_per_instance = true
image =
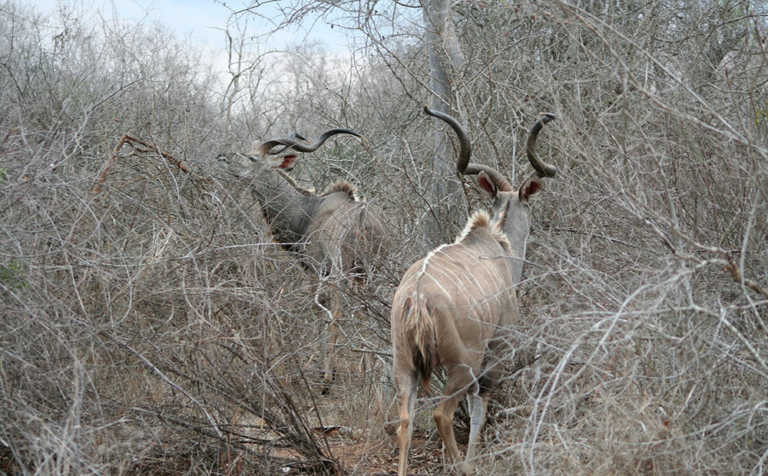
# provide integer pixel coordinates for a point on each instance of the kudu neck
(518, 244)
(515, 224)
(286, 210)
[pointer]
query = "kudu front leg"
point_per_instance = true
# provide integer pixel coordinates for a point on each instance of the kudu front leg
(478, 406)
(329, 368)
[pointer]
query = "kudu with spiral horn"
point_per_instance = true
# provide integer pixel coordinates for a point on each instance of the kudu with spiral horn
(334, 234)
(454, 308)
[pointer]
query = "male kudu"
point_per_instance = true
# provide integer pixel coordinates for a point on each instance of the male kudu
(454, 307)
(335, 234)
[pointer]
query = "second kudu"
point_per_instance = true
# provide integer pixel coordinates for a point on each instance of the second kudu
(335, 234)
(454, 308)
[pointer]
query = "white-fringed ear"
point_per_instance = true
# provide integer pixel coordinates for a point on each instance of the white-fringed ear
(528, 188)
(485, 182)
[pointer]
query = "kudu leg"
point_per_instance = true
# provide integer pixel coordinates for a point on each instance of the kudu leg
(478, 405)
(330, 349)
(459, 378)
(408, 388)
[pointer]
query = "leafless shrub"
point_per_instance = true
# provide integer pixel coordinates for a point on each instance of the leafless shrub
(150, 324)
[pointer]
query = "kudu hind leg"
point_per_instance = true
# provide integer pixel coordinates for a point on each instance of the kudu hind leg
(459, 378)
(408, 388)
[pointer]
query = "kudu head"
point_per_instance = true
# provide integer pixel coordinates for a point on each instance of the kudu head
(270, 157)
(510, 210)
(298, 143)
(287, 207)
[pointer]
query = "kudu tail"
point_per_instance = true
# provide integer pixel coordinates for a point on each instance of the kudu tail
(419, 327)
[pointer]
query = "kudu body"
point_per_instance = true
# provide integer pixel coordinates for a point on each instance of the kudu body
(454, 308)
(335, 234)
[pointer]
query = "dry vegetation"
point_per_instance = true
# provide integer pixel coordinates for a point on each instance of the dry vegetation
(148, 325)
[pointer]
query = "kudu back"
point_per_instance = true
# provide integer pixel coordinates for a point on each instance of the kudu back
(335, 234)
(454, 308)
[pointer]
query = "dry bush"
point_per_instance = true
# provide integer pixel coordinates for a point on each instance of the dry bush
(149, 324)
(183, 313)
(646, 292)
(147, 311)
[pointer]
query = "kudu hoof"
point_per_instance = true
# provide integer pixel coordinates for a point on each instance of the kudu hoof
(465, 469)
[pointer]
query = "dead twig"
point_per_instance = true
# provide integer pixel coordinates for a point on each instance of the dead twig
(739, 278)
(126, 139)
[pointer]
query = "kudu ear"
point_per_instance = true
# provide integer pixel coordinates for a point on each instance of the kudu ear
(288, 162)
(528, 188)
(485, 182)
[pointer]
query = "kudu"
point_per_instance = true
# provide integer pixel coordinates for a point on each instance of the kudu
(335, 234)
(454, 308)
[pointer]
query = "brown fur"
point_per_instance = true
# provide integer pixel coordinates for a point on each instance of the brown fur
(452, 309)
(420, 331)
(479, 220)
(456, 307)
(342, 186)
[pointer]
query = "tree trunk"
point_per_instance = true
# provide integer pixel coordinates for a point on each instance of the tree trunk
(444, 54)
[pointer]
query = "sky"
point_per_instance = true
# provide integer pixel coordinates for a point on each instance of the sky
(200, 21)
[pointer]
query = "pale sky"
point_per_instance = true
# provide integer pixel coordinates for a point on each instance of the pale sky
(201, 21)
